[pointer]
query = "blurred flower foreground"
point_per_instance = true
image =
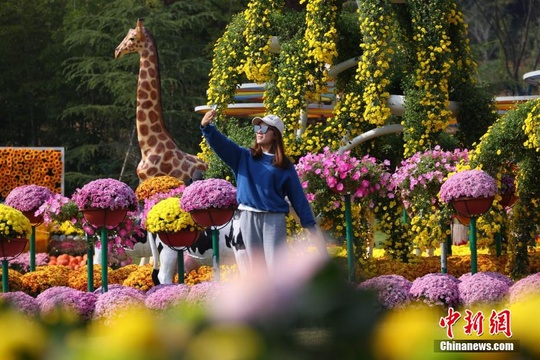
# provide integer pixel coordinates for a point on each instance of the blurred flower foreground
(305, 310)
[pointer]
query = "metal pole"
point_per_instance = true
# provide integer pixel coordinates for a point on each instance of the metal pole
(5, 276)
(90, 263)
(33, 249)
(104, 261)
(215, 249)
(472, 244)
(181, 266)
(444, 264)
(350, 247)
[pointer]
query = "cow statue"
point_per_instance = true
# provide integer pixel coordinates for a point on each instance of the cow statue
(165, 259)
(231, 251)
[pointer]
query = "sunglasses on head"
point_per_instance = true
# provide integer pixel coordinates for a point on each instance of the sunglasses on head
(262, 128)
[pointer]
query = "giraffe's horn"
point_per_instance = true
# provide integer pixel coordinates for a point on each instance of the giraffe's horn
(140, 31)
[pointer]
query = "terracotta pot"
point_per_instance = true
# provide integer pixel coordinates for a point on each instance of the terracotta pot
(508, 199)
(10, 248)
(34, 220)
(212, 216)
(179, 239)
(463, 220)
(104, 217)
(472, 207)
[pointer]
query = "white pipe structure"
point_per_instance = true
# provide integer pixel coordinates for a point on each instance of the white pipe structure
(303, 123)
(368, 135)
(342, 66)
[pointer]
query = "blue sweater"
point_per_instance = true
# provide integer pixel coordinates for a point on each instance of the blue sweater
(261, 185)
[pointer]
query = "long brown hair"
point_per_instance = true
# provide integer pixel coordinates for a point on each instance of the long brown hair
(278, 148)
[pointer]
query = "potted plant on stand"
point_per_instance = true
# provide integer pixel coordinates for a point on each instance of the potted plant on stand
(417, 181)
(174, 226)
(28, 199)
(471, 193)
(326, 174)
(105, 204)
(14, 231)
(211, 203)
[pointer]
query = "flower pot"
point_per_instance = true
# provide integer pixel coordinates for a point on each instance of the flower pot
(34, 220)
(104, 217)
(179, 239)
(472, 207)
(508, 199)
(10, 248)
(463, 220)
(212, 216)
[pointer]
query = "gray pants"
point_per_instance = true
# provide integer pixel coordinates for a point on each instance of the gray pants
(264, 233)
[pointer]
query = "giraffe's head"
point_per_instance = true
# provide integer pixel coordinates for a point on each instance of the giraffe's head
(133, 42)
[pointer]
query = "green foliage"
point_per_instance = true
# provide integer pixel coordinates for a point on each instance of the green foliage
(501, 151)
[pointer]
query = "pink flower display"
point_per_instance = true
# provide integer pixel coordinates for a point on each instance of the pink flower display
(419, 178)
(209, 193)
(468, 183)
(105, 194)
(392, 290)
(28, 197)
(343, 173)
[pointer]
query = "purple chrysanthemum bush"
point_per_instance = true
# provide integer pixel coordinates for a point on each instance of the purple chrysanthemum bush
(525, 288)
(482, 288)
(436, 290)
(119, 298)
(392, 290)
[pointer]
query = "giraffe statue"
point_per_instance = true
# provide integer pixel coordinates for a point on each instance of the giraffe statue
(160, 155)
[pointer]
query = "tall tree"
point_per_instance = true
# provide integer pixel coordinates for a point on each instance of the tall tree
(103, 111)
(506, 35)
(28, 55)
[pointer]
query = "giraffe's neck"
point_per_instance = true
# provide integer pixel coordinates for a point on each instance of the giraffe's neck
(150, 125)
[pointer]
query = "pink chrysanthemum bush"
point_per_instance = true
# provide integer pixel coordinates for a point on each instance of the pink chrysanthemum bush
(525, 288)
(392, 290)
(468, 183)
(436, 289)
(28, 197)
(64, 298)
(324, 174)
(209, 193)
(482, 289)
(105, 194)
(419, 178)
(118, 298)
(164, 296)
(21, 301)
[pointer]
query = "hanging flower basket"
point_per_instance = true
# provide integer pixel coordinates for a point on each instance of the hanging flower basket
(508, 200)
(167, 216)
(508, 191)
(104, 217)
(342, 173)
(471, 207)
(11, 248)
(179, 239)
(471, 192)
(212, 216)
(34, 220)
(210, 202)
(13, 224)
(28, 199)
(105, 202)
(463, 220)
